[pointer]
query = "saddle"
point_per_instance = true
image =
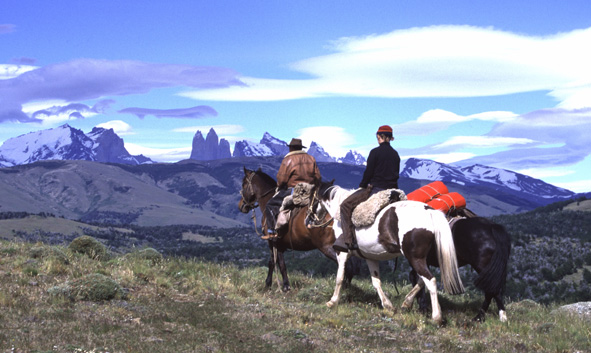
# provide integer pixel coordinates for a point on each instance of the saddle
(365, 213)
(301, 197)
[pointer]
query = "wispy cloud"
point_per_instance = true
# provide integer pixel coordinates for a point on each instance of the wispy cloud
(198, 112)
(437, 61)
(438, 119)
(86, 79)
(482, 141)
(7, 28)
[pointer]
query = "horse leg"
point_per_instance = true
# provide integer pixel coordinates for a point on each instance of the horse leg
(409, 299)
(501, 307)
(481, 316)
(374, 270)
(420, 265)
(420, 295)
(341, 259)
(271, 265)
(283, 270)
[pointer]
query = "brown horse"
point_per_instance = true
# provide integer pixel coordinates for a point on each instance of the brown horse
(257, 190)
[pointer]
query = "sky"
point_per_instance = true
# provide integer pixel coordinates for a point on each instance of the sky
(502, 83)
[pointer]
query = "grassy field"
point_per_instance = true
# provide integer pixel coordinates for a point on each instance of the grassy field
(181, 305)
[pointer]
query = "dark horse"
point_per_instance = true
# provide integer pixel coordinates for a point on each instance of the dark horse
(485, 246)
(257, 190)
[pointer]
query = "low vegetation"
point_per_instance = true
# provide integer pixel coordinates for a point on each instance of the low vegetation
(138, 302)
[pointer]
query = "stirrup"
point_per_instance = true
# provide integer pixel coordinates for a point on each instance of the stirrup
(269, 236)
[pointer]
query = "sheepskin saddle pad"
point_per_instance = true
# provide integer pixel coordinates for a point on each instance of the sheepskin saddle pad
(365, 213)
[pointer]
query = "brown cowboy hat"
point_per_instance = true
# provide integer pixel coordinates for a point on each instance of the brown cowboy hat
(296, 143)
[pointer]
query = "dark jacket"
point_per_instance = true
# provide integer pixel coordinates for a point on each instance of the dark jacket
(383, 168)
(297, 167)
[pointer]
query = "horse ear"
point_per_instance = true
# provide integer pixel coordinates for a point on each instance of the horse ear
(245, 170)
(259, 170)
(332, 182)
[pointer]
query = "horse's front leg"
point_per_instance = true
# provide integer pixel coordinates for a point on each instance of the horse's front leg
(271, 266)
(283, 270)
(341, 260)
(374, 270)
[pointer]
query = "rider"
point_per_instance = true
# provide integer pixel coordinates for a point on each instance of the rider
(381, 173)
(297, 167)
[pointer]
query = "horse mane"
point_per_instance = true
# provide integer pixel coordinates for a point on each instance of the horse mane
(266, 177)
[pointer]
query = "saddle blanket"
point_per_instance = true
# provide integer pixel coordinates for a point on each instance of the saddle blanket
(365, 213)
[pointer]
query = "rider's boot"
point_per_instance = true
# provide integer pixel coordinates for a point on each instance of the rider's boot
(340, 245)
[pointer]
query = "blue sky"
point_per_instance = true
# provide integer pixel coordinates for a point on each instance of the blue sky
(502, 83)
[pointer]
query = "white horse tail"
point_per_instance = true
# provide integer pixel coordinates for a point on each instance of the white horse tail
(446, 254)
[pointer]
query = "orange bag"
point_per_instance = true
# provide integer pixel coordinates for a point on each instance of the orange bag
(445, 203)
(428, 192)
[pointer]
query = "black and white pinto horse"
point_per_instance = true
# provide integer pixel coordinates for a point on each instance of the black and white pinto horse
(486, 247)
(408, 228)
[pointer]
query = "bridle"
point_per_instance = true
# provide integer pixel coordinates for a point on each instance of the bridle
(251, 205)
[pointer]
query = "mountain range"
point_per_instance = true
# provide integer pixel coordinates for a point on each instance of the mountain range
(91, 177)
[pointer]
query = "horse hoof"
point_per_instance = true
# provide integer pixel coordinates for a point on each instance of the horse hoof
(330, 304)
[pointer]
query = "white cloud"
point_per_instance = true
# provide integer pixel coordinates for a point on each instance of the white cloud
(576, 186)
(8, 71)
(120, 127)
(438, 119)
(166, 155)
(443, 158)
(437, 61)
(335, 140)
(483, 141)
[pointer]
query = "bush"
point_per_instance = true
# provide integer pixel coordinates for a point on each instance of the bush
(149, 254)
(49, 252)
(93, 287)
(88, 246)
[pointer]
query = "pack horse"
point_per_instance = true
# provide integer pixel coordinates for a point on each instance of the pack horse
(407, 228)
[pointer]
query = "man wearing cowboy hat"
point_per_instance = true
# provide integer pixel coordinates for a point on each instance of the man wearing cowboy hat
(297, 167)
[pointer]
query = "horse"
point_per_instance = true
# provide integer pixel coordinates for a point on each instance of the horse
(257, 190)
(408, 228)
(485, 246)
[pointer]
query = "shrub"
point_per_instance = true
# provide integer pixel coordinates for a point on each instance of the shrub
(88, 246)
(49, 252)
(149, 254)
(93, 287)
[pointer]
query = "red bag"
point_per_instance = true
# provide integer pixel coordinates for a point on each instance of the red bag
(445, 203)
(428, 192)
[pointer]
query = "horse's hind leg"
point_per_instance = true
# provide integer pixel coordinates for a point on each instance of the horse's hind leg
(409, 299)
(501, 307)
(341, 260)
(374, 270)
(420, 265)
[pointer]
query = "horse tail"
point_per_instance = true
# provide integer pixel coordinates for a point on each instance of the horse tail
(493, 277)
(446, 254)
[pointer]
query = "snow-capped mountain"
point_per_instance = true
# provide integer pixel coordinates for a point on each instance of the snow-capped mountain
(353, 158)
(477, 175)
(67, 143)
(316, 151)
(279, 147)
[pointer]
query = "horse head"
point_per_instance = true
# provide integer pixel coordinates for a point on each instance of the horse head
(248, 199)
